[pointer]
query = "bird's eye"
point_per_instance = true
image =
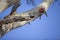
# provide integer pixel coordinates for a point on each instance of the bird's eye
(41, 10)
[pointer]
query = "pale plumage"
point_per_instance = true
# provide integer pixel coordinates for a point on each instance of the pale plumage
(18, 20)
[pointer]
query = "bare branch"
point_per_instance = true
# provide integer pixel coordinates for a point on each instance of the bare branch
(4, 4)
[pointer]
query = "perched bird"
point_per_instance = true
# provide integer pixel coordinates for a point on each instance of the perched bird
(18, 20)
(4, 4)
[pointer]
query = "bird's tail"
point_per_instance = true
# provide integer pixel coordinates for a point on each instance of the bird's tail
(1, 32)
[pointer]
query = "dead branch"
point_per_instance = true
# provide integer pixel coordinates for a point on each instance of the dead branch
(4, 4)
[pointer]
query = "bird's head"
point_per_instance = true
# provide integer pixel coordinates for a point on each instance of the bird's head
(42, 11)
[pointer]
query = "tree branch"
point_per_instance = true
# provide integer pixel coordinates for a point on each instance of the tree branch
(4, 4)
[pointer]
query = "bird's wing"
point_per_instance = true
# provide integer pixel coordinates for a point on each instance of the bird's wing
(18, 20)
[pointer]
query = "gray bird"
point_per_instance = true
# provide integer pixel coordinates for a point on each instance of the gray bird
(19, 20)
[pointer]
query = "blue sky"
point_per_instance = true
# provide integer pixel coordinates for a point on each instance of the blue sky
(48, 28)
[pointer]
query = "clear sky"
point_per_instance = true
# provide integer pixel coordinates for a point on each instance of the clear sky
(46, 28)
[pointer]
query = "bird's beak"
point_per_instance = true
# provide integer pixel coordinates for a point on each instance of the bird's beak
(45, 13)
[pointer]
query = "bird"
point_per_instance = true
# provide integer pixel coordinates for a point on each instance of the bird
(4, 4)
(18, 20)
